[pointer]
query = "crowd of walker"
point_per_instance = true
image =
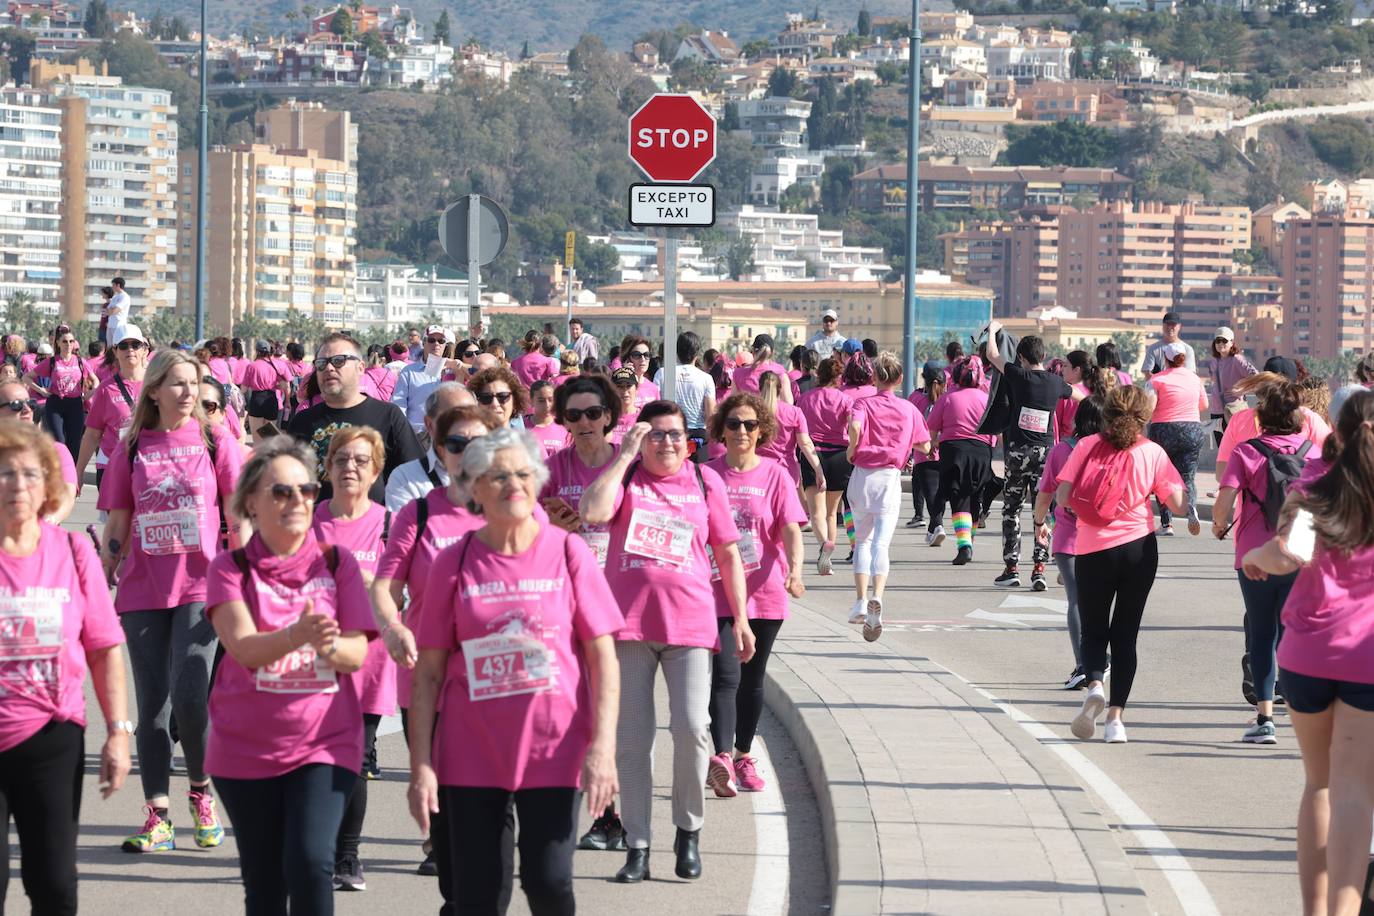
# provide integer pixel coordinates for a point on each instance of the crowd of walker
(511, 549)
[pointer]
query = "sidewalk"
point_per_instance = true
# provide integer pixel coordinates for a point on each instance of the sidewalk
(933, 801)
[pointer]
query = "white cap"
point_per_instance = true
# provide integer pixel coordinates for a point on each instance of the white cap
(830, 313)
(1224, 332)
(131, 332)
(1173, 350)
(45, 349)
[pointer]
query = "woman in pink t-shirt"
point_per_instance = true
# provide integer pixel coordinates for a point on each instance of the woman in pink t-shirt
(59, 624)
(925, 473)
(965, 456)
(111, 407)
(627, 386)
(1176, 426)
(826, 409)
(1247, 478)
(165, 489)
(884, 430)
(500, 394)
(287, 737)
(541, 423)
(793, 439)
(636, 353)
(1113, 475)
(63, 379)
(665, 513)
(522, 735)
(380, 380)
(768, 515)
(1326, 657)
(351, 521)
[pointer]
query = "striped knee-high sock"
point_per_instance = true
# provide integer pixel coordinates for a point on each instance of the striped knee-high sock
(963, 529)
(849, 526)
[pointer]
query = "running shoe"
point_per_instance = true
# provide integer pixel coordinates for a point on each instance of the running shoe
(1114, 732)
(823, 561)
(720, 776)
(1166, 531)
(348, 875)
(209, 833)
(1010, 578)
(157, 835)
(607, 833)
(1038, 578)
(859, 612)
(937, 537)
(962, 556)
(428, 868)
(1085, 723)
(1260, 734)
(1247, 681)
(1194, 526)
(747, 774)
(916, 522)
(1075, 679)
(873, 620)
(850, 558)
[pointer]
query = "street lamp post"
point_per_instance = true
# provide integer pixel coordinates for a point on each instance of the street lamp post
(203, 165)
(913, 85)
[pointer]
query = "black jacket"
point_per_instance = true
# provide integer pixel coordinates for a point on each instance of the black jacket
(998, 415)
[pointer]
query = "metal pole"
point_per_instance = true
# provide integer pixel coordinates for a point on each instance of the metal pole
(669, 389)
(202, 180)
(474, 267)
(913, 86)
(572, 275)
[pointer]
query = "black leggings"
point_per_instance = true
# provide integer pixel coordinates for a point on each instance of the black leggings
(66, 420)
(925, 493)
(438, 837)
(737, 690)
(351, 829)
(1123, 574)
(40, 785)
(482, 837)
(285, 828)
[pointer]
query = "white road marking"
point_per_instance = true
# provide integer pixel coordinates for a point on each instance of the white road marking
(1049, 604)
(769, 893)
(1020, 620)
(390, 725)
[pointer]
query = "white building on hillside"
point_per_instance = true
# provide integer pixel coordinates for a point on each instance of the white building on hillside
(387, 295)
(30, 196)
(792, 246)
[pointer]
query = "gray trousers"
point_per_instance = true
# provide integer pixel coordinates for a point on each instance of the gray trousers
(687, 671)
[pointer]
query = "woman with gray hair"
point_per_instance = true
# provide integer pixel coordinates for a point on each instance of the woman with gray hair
(529, 718)
(287, 737)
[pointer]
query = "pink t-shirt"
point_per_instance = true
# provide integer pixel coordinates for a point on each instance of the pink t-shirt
(219, 368)
(1064, 413)
(1065, 522)
(175, 495)
(657, 565)
(763, 502)
(67, 375)
(957, 415)
(237, 365)
(528, 731)
(104, 373)
(746, 378)
(268, 721)
(783, 449)
(622, 426)
(263, 375)
(110, 413)
(923, 403)
(1244, 425)
(859, 391)
(827, 415)
(57, 609)
(382, 381)
(890, 427)
(362, 537)
(1246, 473)
(64, 460)
(552, 438)
(531, 367)
(568, 477)
(1180, 396)
(646, 392)
(1151, 473)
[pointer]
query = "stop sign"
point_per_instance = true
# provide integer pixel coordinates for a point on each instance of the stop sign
(672, 138)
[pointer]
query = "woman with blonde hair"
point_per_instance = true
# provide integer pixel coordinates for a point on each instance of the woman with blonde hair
(791, 439)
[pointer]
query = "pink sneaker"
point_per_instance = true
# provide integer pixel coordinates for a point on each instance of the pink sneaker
(720, 776)
(747, 775)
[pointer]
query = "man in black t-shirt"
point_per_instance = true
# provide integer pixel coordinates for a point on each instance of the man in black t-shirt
(338, 370)
(1028, 438)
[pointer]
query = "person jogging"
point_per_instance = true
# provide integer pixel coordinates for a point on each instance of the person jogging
(965, 455)
(925, 473)
(826, 409)
(1176, 426)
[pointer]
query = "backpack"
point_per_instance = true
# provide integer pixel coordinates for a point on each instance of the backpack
(1281, 469)
(1103, 493)
(233, 397)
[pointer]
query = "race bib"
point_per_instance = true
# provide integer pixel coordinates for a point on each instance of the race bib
(660, 536)
(600, 543)
(748, 554)
(298, 671)
(174, 531)
(30, 628)
(1034, 421)
(506, 666)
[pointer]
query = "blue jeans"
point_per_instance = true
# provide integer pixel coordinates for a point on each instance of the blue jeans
(1263, 604)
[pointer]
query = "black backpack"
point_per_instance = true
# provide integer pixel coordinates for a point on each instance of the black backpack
(1281, 469)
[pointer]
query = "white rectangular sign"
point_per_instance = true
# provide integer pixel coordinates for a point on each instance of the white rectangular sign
(672, 205)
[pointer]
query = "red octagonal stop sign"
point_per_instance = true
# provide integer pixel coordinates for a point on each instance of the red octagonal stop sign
(672, 138)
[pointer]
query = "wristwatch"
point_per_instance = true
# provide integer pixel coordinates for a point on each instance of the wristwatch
(122, 725)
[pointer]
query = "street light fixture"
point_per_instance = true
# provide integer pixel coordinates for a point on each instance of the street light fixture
(913, 84)
(202, 178)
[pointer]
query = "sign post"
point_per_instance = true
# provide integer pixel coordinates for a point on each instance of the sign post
(569, 251)
(474, 231)
(672, 140)
(474, 264)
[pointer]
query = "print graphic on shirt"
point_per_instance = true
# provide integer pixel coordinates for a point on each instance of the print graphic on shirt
(31, 642)
(300, 670)
(319, 441)
(513, 660)
(171, 507)
(748, 525)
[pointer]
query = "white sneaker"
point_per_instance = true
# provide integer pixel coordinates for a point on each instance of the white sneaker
(1114, 732)
(859, 612)
(937, 537)
(1085, 723)
(873, 620)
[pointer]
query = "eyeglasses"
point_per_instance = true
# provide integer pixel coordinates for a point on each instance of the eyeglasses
(18, 406)
(343, 460)
(486, 397)
(30, 477)
(454, 445)
(734, 423)
(283, 493)
(127, 345)
(210, 406)
(659, 436)
(338, 361)
(639, 354)
(523, 477)
(438, 340)
(573, 414)
(469, 354)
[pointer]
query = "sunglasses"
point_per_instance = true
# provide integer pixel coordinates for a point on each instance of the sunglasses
(454, 445)
(734, 423)
(486, 397)
(659, 436)
(282, 493)
(127, 345)
(573, 414)
(639, 354)
(437, 340)
(18, 406)
(210, 406)
(469, 354)
(827, 320)
(338, 361)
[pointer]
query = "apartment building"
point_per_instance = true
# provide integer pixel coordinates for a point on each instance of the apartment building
(774, 122)
(955, 187)
(1328, 284)
(309, 126)
(30, 196)
(1267, 226)
(387, 295)
(793, 246)
(1016, 260)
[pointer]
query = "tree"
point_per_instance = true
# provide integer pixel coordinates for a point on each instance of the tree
(759, 47)
(1343, 143)
(157, 26)
(865, 25)
(597, 263)
(1128, 346)
(738, 259)
(441, 28)
(525, 51)
(97, 22)
(1255, 88)
(782, 82)
(375, 45)
(341, 23)
(1068, 143)
(18, 46)
(23, 316)
(730, 117)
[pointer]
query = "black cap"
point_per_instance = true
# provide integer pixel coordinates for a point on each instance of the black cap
(624, 375)
(1172, 318)
(1283, 366)
(932, 370)
(763, 340)
(262, 346)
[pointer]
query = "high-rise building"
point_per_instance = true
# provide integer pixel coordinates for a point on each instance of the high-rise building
(310, 126)
(30, 196)
(1328, 283)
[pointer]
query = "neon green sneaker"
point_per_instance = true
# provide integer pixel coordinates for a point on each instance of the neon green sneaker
(157, 835)
(208, 831)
